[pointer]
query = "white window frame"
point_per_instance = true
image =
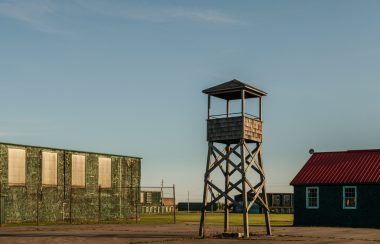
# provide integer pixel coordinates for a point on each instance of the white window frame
(344, 197)
(10, 169)
(56, 167)
(274, 198)
(307, 197)
(284, 202)
(149, 197)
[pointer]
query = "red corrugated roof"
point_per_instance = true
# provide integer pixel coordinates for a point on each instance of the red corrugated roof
(354, 166)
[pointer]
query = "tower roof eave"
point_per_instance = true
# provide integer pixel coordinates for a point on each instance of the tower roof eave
(231, 90)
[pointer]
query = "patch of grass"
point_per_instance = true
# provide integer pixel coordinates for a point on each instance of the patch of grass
(217, 218)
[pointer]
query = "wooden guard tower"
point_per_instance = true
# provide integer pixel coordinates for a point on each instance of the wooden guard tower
(234, 147)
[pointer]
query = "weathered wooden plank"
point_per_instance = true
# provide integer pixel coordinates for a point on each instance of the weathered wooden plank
(231, 129)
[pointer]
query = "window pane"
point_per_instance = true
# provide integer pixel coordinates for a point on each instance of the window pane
(287, 200)
(349, 197)
(141, 197)
(49, 168)
(312, 197)
(149, 197)
(78, 170)
(16, 166)
(276, 200)
(105, 172)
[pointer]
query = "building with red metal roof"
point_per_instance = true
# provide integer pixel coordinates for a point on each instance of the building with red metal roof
(339, 189)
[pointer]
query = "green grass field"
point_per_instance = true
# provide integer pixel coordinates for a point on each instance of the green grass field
(217, 218)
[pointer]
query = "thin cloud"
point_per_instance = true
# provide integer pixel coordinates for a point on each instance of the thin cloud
(208, 15)
(32, 13)
(155, 13)
(51, 15)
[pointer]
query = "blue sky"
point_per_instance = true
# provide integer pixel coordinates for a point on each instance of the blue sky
(126, 77)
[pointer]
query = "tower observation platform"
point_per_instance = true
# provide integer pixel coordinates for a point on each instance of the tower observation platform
(230, 128)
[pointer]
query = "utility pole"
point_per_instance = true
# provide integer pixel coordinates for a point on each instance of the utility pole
(162, 192)
(188, 201)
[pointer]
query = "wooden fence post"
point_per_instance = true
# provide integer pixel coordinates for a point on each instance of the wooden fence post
(38, 205)
(99, 204)
(71, 203)
(174, 203)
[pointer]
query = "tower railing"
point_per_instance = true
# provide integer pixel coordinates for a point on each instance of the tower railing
(238, 114)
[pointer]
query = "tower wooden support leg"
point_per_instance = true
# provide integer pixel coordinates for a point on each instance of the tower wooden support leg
(266, 211)
(243, 187)
(267, 221)
(205, 193)
(226, 186)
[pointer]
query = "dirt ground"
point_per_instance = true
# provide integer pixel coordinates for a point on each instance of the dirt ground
(179, 233)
